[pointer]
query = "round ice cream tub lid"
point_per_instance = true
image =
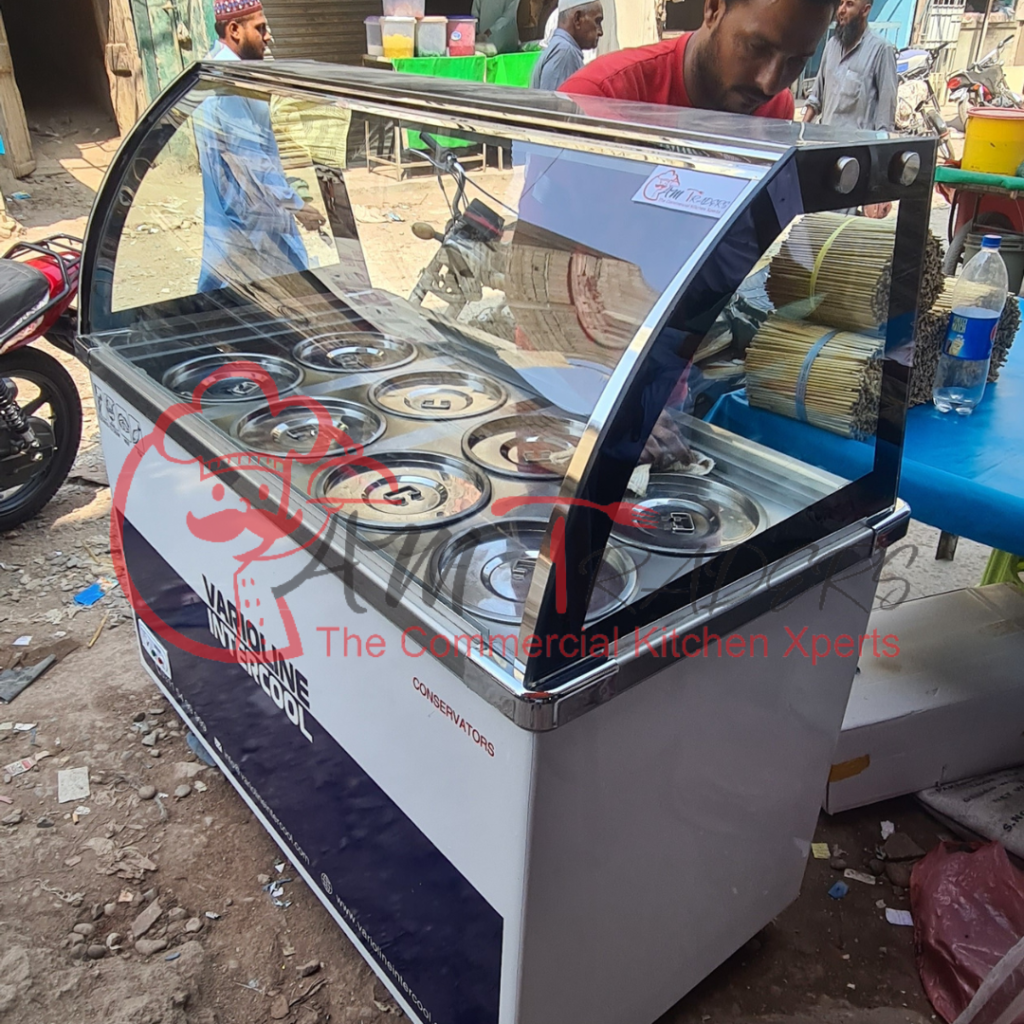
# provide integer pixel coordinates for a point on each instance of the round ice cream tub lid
(184, 378)
(685, 515)
(439, 395)
(487, 571)
(353, 352)
(403, 490)
(530, 446)
(295, 429)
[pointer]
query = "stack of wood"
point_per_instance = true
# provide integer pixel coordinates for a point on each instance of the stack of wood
(930, 334)
(841, 382)
(837, 270)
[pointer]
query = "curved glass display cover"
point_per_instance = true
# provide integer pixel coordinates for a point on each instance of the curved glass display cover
(546, 377)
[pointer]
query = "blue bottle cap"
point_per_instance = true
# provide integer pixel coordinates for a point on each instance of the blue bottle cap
(991, 241)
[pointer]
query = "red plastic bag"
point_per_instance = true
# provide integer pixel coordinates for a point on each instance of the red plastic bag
(967, 902)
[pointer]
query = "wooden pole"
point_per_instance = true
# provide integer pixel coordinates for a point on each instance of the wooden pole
(979, 43)
(13, 124)
(121, 57)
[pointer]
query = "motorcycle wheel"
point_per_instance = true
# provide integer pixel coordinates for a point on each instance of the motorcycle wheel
(45, 391)
(962, 108)
(956, 247)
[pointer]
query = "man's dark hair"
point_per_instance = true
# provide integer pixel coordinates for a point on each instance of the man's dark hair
(834, 4)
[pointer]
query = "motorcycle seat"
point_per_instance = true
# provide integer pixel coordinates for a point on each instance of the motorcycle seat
(23, 289)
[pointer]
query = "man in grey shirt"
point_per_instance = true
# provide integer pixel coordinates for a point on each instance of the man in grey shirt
(579, 29)
(856, 83)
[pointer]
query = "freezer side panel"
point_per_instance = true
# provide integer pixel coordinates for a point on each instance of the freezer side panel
(400, 795)
(673, 823)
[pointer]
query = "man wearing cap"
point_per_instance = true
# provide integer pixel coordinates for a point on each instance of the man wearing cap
(249, 208)
(742, 60)
(579, 29)
(242, 30)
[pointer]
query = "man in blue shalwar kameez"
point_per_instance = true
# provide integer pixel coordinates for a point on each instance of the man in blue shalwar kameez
(250, 211)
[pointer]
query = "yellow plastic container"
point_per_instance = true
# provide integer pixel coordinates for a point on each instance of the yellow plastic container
(399, 37)
(994, 141)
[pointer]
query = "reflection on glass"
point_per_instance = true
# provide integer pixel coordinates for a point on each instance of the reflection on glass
(454, 331)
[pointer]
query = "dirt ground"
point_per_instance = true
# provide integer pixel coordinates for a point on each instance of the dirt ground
(220, 950)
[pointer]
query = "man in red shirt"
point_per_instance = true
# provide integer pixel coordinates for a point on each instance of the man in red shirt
(741, 60)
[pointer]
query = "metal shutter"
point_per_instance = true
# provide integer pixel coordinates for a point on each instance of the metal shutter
(328, 30)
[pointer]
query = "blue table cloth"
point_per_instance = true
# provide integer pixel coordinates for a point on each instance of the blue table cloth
(962, 474)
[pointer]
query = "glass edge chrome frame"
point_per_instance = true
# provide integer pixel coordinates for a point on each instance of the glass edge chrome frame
(104, 202)
(540, 618)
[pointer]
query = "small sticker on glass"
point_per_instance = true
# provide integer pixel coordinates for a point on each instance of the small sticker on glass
(674, 188)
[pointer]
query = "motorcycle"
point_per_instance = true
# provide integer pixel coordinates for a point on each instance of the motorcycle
(470, 257)
(40, 409)
(983, 84)
(917, 107)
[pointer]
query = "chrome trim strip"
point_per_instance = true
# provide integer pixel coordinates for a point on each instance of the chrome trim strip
(516, 124)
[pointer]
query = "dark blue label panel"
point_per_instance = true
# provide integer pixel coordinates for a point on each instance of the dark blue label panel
(971, 332)
(412, 911)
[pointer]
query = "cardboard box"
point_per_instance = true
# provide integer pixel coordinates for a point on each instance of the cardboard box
(948, 706)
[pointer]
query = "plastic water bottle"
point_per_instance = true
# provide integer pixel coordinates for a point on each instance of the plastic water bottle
(978, 300)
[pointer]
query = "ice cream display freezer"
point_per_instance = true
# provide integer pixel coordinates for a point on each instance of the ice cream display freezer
(534, 674)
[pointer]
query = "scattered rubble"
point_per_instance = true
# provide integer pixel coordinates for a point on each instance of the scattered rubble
(147, 947)
(899, 847)
(146, 919)
(898, 872)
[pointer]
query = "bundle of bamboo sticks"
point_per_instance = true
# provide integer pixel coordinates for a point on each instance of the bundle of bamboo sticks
(930, 333)
(841, 383)
(836, 269)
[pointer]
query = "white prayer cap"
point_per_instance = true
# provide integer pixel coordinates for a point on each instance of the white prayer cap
(568, 5)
